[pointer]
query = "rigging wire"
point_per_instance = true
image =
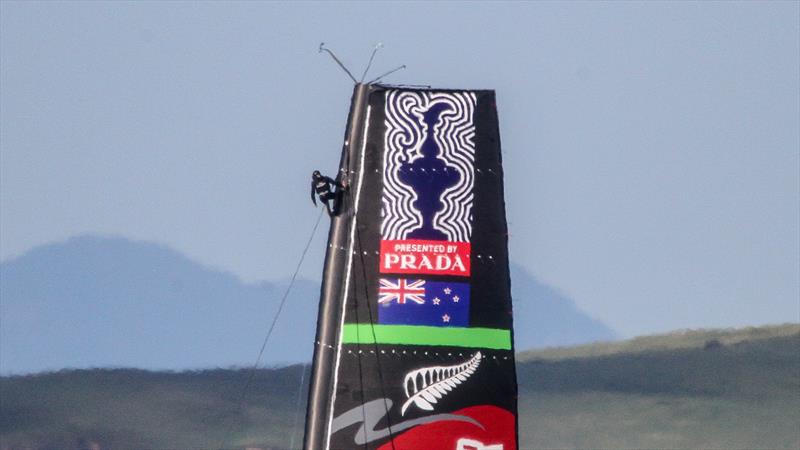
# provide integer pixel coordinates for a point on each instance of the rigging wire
(272, 326)
(297, 403)
(379, 78)
(361, 379)
(358, 337)
(374, 342)
(369, 64)
(381, 383)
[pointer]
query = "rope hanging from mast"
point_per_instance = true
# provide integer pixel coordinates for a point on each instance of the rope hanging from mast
(281, 304)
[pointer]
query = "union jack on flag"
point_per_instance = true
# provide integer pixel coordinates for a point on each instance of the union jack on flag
(401, 290)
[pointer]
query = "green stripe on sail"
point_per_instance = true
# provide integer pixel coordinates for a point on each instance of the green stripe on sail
(422, 335)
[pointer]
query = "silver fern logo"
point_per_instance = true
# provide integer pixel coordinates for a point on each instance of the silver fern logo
(424, 387)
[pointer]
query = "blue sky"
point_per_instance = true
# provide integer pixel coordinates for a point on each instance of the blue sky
(651, 149)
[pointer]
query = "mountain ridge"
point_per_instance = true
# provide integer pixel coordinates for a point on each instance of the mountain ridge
(94, 301)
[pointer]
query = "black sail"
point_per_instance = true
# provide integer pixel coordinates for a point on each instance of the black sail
(414, 345)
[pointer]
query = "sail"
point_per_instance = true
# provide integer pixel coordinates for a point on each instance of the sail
(414, 344)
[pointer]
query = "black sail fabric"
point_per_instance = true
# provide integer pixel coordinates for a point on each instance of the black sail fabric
(419, 348)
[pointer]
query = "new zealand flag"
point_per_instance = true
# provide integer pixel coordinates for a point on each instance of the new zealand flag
(404, 301)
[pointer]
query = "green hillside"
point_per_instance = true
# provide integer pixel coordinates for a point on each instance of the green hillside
(702, 389)
(699, 389)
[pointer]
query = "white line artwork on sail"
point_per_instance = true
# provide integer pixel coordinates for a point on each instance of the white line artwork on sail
(408, 130)
(425, 386)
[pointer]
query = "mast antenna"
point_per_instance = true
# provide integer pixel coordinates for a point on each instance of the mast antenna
(322, 48)
(387, 74)
(371, 57)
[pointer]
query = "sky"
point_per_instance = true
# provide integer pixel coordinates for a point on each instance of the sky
(651, 150)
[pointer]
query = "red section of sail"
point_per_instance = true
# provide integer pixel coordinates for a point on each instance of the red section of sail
(416, 256)
(498, 432)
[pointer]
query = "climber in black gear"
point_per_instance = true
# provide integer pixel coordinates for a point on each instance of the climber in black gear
(321, 187)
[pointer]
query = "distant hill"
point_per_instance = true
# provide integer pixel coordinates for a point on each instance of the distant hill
(545, 317)
(101, 301)
(732, 389)
(676, 340)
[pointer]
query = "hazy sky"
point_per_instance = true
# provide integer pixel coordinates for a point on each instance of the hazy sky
(651, 149)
